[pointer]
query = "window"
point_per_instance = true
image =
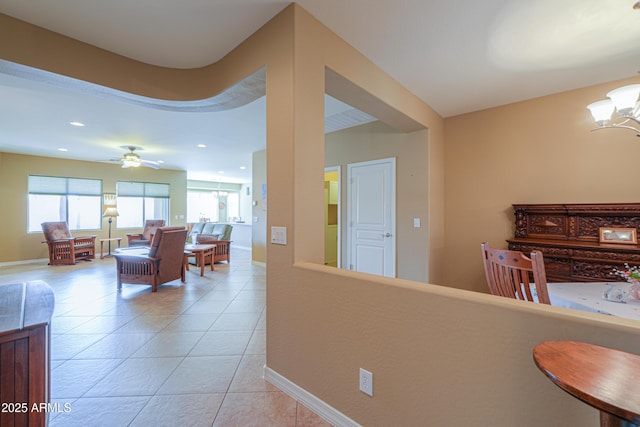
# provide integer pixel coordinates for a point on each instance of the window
(140, 201)
(202, 205)
(233, 207)
(76, 201)
(213, 206)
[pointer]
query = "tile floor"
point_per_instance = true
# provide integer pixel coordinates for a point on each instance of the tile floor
(188, 355)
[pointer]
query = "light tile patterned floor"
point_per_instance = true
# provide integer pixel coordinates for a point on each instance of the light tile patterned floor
(188, 355)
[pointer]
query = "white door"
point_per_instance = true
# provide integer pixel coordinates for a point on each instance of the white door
(372, 211)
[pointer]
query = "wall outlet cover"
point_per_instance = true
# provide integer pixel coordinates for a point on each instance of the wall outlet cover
(366, 382)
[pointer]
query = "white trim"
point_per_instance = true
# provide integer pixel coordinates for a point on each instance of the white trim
(28, 261)
(328, 413)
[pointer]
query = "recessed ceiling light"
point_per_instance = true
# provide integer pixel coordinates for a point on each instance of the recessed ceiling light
(202, 146)
(62, 149)
(78, 124)
(220, 172)
(243, 167)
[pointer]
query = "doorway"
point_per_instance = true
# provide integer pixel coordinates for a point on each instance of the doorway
(332, 202)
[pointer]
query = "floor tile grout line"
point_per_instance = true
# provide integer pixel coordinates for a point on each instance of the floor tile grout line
(245, 286)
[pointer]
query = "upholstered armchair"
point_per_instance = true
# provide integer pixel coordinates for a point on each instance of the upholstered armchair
(144, 238)
(63, 247)
(163, 262)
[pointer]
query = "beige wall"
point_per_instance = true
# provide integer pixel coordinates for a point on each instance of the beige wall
(537, 151)
(378, 141)
(440, 356)
(18, 245)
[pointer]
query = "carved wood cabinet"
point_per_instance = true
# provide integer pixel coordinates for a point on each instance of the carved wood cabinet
(568, 236)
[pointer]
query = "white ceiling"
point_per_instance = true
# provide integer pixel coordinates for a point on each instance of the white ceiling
(458, 56)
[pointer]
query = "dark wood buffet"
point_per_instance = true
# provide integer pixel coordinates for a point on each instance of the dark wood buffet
(569, 237)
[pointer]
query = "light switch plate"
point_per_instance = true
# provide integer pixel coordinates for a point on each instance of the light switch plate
(279, 235)
(416, 222)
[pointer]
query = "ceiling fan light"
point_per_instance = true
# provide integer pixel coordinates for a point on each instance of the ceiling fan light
(625, 99)
(601, 111)
(131, 160)
(129, 163)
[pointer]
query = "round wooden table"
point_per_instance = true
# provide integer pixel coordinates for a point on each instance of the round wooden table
(605, 378)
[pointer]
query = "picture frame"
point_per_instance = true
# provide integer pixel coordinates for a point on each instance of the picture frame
(627, 236)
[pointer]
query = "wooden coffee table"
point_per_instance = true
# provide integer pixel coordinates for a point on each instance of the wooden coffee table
(200, 252)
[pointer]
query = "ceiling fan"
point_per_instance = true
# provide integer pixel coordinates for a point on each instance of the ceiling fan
(133, 160)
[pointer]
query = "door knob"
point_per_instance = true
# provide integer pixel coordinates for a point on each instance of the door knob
(388, 235)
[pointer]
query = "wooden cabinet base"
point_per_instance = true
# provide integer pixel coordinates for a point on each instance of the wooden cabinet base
(25, 339)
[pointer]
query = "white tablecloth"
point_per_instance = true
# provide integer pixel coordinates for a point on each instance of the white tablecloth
(588, 297)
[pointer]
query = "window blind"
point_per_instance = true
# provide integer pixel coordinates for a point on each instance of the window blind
(62, 185)
(143, 189)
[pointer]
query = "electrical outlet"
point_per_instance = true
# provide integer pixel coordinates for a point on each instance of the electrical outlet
(366, 382)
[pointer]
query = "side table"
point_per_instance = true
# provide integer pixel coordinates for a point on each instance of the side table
(118, 239)
(200, 252)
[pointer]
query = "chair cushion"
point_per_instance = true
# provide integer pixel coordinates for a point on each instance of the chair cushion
(223, 230)
(157, 239)
(211, 230)
(150, 227)
(198, 226)
(208, 228)
(55, 230)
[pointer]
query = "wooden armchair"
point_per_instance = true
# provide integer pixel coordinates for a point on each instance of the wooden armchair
(511, 274)
(144, 238)
(163, 263)
(64, 248)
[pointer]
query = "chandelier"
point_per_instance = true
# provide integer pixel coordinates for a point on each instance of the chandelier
(621, 110)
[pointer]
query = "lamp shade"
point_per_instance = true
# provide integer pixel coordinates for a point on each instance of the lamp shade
(110, 212)
(601, 111)
(625, 98)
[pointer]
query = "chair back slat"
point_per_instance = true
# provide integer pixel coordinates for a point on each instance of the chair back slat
(512, 274)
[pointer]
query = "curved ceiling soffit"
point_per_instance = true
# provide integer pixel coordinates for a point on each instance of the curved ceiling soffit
(245, 91)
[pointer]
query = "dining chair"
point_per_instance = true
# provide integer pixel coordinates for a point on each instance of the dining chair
(512, 274)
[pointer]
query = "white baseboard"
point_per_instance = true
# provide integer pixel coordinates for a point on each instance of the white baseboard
(28, 261)
(243, 248)
(328, 413)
